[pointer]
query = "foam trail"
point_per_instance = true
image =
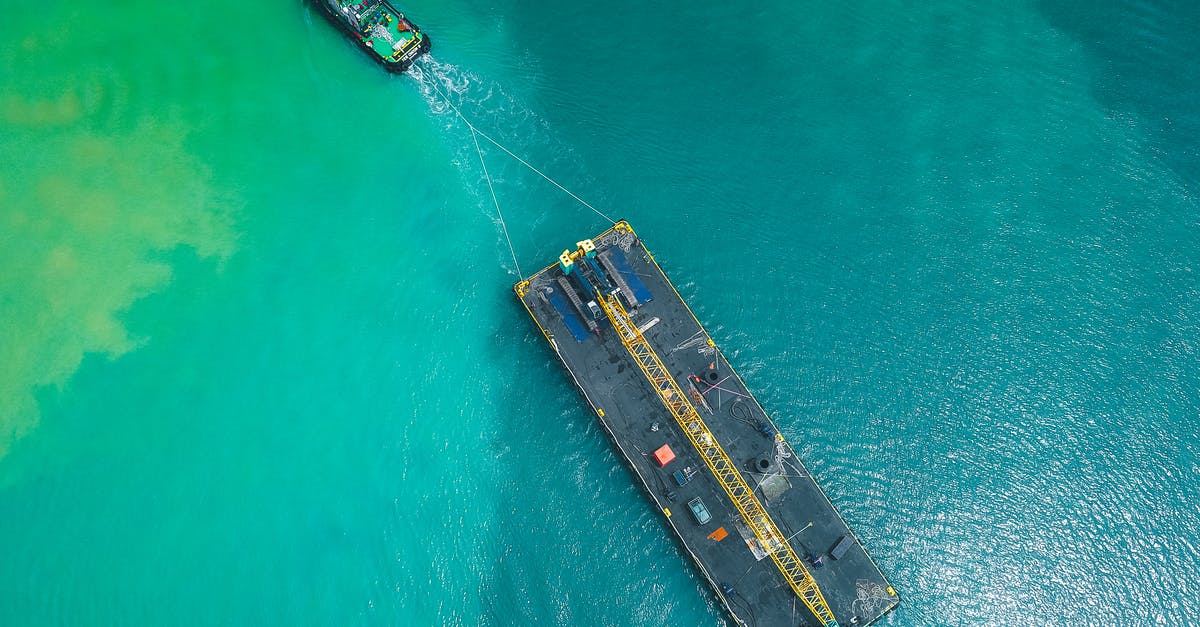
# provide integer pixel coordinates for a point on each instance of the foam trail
(489, 105)
(494, 111)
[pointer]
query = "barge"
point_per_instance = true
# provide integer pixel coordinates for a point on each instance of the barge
(380, 30)
(733, 491)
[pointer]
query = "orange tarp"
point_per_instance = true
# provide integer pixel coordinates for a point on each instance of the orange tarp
(718, 535)
(664, 455)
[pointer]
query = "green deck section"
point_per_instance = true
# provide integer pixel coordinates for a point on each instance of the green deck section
(384, 28)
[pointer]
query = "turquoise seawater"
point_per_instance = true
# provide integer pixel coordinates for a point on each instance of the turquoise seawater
(260, 364)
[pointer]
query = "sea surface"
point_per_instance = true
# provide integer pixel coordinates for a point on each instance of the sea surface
(260, 363)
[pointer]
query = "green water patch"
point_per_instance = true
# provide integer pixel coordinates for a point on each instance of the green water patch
(94, 194)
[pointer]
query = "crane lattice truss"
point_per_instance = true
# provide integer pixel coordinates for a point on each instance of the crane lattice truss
(723, 469)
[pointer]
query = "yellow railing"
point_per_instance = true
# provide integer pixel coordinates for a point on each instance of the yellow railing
(718, 462)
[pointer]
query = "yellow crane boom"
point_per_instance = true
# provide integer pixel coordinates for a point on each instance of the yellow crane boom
(718, 462)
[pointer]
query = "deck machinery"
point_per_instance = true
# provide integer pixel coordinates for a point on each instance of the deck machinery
(379, 29)
(731, 488)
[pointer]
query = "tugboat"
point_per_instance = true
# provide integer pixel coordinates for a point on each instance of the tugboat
(380, 30)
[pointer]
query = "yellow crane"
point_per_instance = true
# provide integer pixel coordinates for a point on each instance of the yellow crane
(718, 462)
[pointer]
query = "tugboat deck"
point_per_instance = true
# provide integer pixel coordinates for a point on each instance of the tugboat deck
(742, 574)
(380, 29)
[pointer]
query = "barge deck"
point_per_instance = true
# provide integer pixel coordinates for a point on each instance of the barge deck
(731, 488)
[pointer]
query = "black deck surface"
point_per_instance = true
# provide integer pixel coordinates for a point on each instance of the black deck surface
(639, 423)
